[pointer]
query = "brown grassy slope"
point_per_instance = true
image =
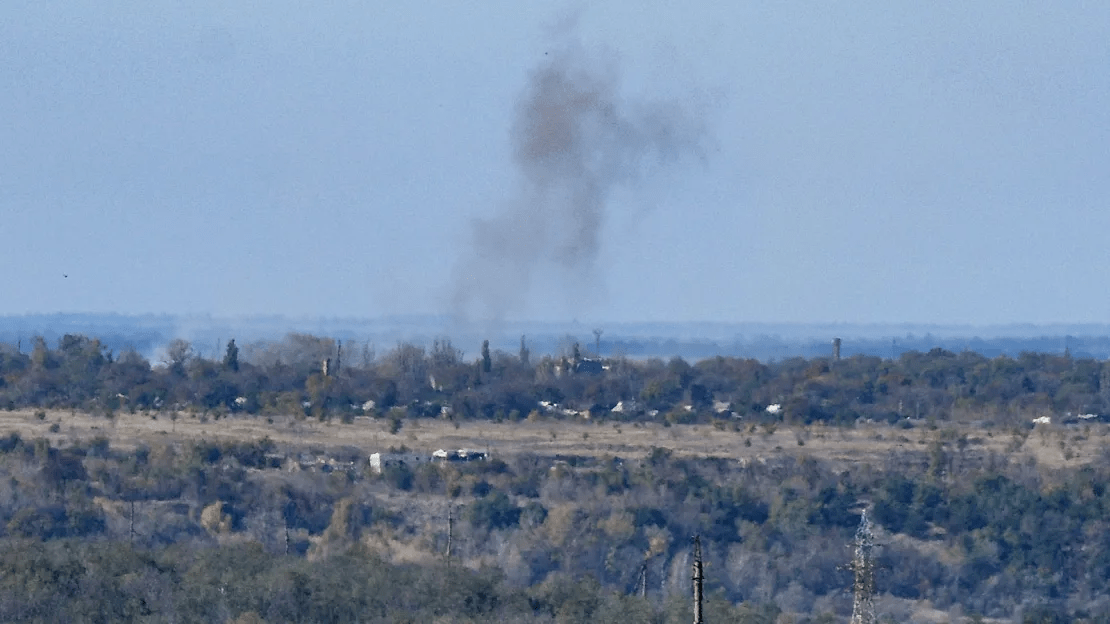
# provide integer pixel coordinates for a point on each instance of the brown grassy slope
(1050, 446)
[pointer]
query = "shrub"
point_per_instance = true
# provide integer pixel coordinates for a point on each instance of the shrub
(494, 511)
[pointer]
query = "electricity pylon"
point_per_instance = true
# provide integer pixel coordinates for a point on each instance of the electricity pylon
(863, 565)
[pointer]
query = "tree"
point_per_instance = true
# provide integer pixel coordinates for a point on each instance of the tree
(318, 388)
(178, 354)
(487, 362)
(494, 511)
(231, 357)
(406, 366)
(41, 358)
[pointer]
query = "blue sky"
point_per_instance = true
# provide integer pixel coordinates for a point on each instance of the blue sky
(921, 162)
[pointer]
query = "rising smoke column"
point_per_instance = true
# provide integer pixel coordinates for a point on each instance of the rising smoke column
(575, 140)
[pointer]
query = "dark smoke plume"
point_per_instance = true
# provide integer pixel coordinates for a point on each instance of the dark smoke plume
(575, 140)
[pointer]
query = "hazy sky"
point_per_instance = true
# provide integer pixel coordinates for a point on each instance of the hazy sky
(943, 162)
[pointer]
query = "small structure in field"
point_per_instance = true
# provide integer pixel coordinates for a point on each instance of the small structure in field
(459, 455)
(379, 461)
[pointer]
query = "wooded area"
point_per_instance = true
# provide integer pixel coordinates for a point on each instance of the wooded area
(212, 530)
(412, 381)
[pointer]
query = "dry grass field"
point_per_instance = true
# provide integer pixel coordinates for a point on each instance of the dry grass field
(1048, 446)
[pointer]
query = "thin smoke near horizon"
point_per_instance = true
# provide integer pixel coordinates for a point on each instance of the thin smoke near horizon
(575, 139)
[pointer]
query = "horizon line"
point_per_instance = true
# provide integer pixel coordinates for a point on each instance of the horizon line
(450, 319)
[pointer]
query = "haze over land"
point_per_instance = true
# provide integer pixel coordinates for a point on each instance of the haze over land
(940, 163)
(208, 335)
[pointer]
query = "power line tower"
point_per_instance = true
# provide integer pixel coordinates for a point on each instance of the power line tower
(863, 565)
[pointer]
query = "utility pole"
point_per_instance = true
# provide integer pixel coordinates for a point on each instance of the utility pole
(131, 527)
(338, 355)
(450, 531)
(698, 578)
(642, 589)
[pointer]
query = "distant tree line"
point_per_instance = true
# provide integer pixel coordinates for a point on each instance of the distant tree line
(693, 341)
(411, 381)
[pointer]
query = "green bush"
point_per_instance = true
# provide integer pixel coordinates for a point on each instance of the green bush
(494, 511)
